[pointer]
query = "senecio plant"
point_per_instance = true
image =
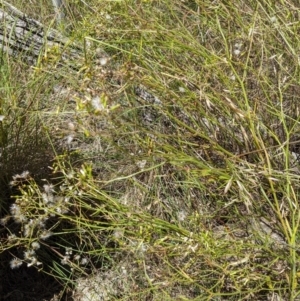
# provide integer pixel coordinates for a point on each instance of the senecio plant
(39, 213)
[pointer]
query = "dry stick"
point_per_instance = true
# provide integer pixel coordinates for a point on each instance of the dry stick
(22, 35)
(58, 8)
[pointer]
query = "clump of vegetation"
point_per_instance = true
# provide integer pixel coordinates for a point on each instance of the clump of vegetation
(172, 166)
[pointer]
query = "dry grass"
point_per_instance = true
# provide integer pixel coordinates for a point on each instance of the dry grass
(189, 192)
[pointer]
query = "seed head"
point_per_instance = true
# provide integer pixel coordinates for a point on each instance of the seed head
(84, 261)
(48, 188)
(15, 263)
(4, 220)
(65, 260)
(20, 218)
(29, 254)
(45, 234)
(15, 209)
(35, 245)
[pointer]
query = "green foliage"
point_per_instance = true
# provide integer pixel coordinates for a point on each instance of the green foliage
(176, 164)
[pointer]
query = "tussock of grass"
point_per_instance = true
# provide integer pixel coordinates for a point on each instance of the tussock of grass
(175, 162)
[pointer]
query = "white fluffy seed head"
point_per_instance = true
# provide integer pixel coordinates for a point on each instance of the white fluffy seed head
(20, 218)
(29, 254)
(236, 52)
(35, 245)
(65, 260)
(103, 61)
(4, 220)
(84, 261)
(15, 263)
(45, 234)
(48, 188)
(15, 209)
